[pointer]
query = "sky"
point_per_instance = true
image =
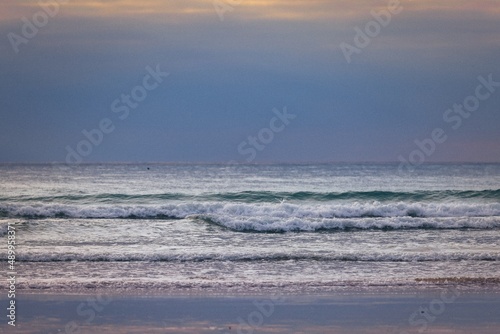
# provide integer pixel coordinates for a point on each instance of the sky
(250, 81)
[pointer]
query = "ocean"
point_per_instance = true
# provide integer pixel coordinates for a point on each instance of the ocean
(250, 228)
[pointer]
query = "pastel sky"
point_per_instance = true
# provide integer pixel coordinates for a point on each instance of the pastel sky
(230, 63)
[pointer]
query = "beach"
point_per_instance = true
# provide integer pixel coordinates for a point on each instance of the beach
(436, 310)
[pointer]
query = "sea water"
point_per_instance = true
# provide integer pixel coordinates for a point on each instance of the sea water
(250, 228)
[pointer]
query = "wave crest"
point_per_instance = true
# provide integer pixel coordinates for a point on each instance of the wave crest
(267, 196)
(284, 217)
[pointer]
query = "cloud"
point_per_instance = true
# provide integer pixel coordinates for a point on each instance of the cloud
(228, 75)
(268, 10)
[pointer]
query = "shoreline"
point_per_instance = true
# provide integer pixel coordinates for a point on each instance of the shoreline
(468, 285)
(436, 310)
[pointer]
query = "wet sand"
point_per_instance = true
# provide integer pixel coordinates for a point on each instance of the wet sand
(445, 310)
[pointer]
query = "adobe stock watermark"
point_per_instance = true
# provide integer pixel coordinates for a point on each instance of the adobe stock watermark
(250, 147)
(265, 136)
(454, 117)
(88, 310)
(426, 315)
(121, 106)
(363, 37)
(30, 27)
(255, 319)
(223, 6)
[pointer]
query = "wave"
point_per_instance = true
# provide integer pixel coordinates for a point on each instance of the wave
(269, 257)
(266, 225)
(268, 196)
(271, 210)
(283, 217)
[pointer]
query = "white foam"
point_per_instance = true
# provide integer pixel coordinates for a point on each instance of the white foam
(269, 224)
(220, 210)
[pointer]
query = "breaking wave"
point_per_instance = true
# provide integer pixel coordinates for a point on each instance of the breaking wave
(267, 196)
